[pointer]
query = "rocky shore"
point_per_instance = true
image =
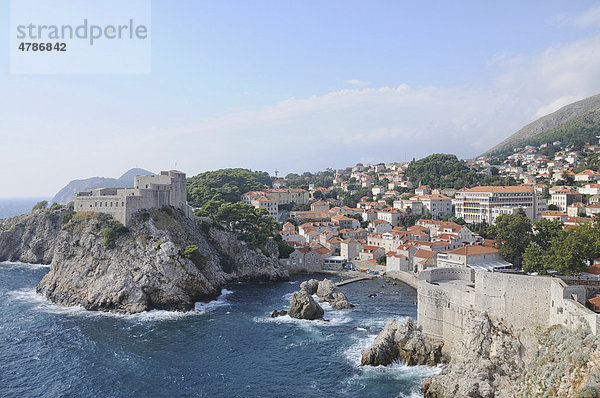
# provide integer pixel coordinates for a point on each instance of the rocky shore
(164, 260)
(487, 362)
(402, 341)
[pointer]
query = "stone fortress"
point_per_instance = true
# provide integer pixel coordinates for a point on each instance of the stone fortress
(524, 303)
(149, 192)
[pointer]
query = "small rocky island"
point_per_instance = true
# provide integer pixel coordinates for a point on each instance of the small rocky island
(304, 306)
(161, 260)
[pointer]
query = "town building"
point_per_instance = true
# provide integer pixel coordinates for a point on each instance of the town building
(477, 204)
(437, 205)
(473, 256)
(564, 197)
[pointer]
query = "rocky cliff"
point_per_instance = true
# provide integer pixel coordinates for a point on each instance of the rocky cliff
(567, 364)
(162, 261)
(485, 362)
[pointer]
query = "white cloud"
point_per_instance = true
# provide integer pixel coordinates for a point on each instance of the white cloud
(586, 19)
(397, 123)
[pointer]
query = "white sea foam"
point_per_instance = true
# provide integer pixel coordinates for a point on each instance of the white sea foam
(396, 371)
(42, 304)
(331, 320)
(18, 264)
(221, 301)
(288, 296)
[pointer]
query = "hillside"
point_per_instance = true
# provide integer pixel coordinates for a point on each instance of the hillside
(576, 123)
(446, 171)
(66, 194)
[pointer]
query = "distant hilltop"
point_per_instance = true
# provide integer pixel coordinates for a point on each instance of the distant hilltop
(575, 123)
(66, 194)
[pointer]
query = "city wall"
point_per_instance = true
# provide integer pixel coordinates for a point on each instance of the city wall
(524, 303)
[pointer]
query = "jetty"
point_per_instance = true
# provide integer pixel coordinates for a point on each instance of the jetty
(356, 279)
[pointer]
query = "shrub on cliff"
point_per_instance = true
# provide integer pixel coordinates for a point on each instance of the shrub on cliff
(40, 205)
(110, 234)
(192, 252)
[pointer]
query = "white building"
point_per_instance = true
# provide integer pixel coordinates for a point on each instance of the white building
(436, 204)
(477, 204)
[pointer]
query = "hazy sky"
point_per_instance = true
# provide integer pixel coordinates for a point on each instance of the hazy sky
(300, 86)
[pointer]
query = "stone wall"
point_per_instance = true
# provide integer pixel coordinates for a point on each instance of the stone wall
(521, 302)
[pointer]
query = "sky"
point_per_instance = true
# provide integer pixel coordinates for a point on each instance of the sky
(300, 86)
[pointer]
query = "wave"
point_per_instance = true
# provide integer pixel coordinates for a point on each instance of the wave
(221, 301)
(29, 295)
(332, 319)
(397, 371)
(18, 264)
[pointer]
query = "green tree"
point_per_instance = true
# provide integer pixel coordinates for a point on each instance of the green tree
(545, 230)
(534, 258)
(513, 234)
(40, 205)
(224, 185)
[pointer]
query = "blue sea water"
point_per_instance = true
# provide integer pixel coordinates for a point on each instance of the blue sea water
(11, 207)
(226, 348)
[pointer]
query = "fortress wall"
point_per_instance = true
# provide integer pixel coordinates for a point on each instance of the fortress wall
(567, 311)
(522, 301)
(112, 205)
(442, 312)
(447, 273)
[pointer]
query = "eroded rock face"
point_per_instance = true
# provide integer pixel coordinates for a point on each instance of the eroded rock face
(310, 286)
(402, 341)
(566, 364)
(485, 363)
(329, 292)
(31, 238)
(303, 306)
(145, 268)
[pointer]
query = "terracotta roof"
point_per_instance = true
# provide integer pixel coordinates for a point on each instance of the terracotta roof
(422, 253)
(499, 189)
(587, 173)
(474, 250)
(594, 269)
(322, 250)
(552, 213)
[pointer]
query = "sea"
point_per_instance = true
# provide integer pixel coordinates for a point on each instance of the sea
(11, 207)
(229, 347)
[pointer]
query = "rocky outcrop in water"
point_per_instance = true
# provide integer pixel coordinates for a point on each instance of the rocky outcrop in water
(303, 306)
(164, 260)
(402, 341)
(485, 362)
(327, 291)
(310, 286)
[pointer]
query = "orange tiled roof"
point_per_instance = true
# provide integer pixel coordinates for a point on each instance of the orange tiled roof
(499, 189)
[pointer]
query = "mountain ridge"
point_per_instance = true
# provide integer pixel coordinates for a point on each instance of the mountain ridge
(580, 115)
